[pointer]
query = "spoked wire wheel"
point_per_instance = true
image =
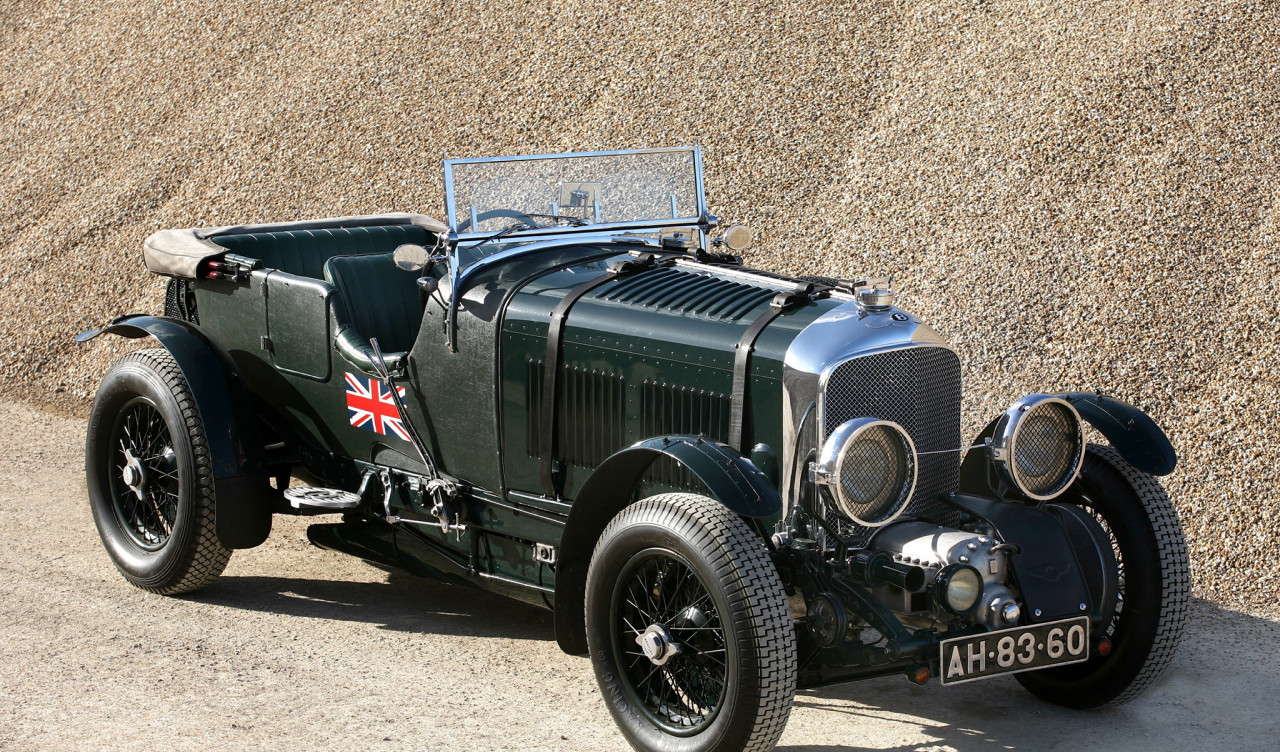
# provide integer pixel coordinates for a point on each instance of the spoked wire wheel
(1109, 630)
(687, 623)
(1138, 521)
(671, 641)
(149, 476)
(145, 483)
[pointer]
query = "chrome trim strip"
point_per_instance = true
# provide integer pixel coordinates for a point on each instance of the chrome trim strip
(627, 241)
(573, 155)
(759, 280)
(746, 275)
(637, 224)
(521, 583)
(754, 277)
(448, 195)
(697, 179)
(539, 502)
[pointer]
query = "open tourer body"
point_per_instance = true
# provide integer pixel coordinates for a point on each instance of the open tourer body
(726, 483)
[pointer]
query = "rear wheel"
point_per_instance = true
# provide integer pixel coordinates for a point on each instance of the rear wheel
(1135, 513)
(149, 479)
(688, 628)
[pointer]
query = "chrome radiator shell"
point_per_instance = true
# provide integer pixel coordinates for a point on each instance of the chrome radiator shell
(883, 364)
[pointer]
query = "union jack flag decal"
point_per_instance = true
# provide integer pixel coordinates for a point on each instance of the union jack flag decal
(372, 408)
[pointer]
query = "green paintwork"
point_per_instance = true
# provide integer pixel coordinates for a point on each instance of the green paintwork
(1132, 432)
(636, 346)
(633, 369)
(298, 325)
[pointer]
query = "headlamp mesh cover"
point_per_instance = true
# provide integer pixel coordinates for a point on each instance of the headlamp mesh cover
(1046, 449)
(876, 472)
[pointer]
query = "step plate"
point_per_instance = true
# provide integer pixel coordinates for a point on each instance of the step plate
(310, 497)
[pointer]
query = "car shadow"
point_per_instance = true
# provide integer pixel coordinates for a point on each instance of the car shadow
(402, 603)
(1196, 705)
(1202, 702)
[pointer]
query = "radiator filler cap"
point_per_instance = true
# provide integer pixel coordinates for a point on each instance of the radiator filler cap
(875, 295)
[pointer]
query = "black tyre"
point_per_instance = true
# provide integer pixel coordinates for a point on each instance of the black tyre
(1155, 586)
(689, 630)
(149, 478)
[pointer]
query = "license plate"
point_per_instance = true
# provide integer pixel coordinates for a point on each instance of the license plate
(1009, 651)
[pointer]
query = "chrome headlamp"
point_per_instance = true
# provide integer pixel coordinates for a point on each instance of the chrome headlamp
(870, 466)
(1038, 446)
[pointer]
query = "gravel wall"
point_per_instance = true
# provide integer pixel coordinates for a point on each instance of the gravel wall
(1081, 195)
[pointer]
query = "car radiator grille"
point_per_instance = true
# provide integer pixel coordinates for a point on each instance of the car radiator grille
(919, 389)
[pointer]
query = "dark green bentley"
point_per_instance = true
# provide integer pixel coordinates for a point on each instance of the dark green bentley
(727, 484)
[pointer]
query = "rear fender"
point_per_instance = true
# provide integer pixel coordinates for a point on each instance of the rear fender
(242, 495)
(730, 478)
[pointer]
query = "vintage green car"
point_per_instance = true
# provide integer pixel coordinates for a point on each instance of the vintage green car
(727, 484)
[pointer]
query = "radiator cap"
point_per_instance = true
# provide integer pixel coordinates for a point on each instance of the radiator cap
(876, 294)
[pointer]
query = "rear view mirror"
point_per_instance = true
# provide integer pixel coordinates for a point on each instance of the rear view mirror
(410, 257)
(738, 237)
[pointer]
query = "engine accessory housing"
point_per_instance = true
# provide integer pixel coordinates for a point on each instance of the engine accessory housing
(939, 550)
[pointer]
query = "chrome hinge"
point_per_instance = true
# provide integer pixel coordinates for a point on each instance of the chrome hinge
(822, 473)
(544, 553)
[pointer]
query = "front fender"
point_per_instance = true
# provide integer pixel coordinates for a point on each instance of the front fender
(731, 478)
(728, 476)
(1130, 431)
(243, 512)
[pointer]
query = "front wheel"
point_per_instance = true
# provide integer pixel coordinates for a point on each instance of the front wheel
(1135, 513)
(689, 630)
(148, 472)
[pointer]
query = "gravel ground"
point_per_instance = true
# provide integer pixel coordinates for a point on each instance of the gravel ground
(298, 648)
(1082, 195)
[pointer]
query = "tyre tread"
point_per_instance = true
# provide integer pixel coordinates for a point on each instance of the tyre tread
(208, 557)
(1171, 545)
(1158, 542)
(750, 581)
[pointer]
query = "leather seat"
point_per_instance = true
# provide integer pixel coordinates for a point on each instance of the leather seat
(376, 300)
(305, 252)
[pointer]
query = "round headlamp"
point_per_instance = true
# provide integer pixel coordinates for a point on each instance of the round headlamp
(1038, 446)
(958, 588)
(870, 466)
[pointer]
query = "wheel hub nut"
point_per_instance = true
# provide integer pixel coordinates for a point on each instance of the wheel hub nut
(133, 474)
(657, 645)
(1010, 612)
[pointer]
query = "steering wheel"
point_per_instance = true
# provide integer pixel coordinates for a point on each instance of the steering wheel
(494, 214)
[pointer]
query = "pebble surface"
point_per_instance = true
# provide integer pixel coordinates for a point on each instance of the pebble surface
(1079, 195)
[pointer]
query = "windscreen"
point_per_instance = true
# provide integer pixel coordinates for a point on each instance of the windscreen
(602, 189)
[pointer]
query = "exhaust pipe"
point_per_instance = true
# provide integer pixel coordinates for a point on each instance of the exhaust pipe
(879, 568)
